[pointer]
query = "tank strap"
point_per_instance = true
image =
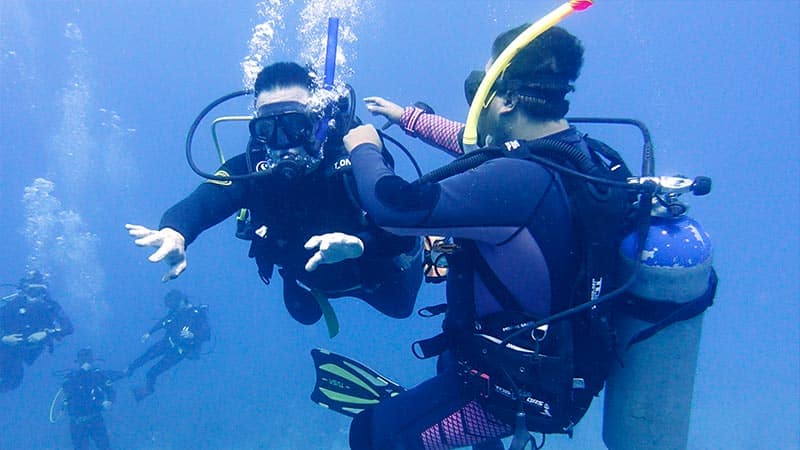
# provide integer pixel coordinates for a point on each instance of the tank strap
(665, 316)
(433, 346)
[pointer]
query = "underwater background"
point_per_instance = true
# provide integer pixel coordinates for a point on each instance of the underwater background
(96, 98)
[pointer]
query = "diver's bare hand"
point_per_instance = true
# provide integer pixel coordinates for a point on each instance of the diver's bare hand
(171, 247)
(35, 338)
(379, 106)
(12, 339)
(332, 248)
(186, 333)
(363, 134)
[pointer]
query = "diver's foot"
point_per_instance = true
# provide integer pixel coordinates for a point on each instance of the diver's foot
(140, 392)
(301, 304)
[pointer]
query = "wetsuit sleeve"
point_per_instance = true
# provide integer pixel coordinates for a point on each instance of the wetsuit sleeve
(379, 243)
(63, 326)
(110, 376)
(209, 204)
(113, 375)
(161, 324)
(201, 329)
(488, 203)
(435, 130)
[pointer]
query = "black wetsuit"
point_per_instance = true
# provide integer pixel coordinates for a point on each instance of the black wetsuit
(514, 215)
(285, 214)
(84, 394)
(22, 316)
(172, 346)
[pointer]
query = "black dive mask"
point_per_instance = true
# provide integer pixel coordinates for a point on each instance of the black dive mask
(286, 133)
(543, 88)
(283, 125)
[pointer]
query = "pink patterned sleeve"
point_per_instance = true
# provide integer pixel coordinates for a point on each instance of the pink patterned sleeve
(435, 130)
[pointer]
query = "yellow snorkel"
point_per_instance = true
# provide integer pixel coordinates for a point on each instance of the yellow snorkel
(470, 139)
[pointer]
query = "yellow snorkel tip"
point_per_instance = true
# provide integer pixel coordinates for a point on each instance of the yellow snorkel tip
(470, 139)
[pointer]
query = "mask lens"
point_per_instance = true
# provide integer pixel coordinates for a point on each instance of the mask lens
(262, 128)
(295, 128)
(282, 129)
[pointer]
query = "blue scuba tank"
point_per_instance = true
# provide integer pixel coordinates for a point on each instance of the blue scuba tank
(648, 401)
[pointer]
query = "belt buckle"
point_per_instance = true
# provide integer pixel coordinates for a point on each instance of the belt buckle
(482, 378)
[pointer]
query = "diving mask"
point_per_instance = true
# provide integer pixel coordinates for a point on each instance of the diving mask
(283, 125)
(286, 132)
(541, 88)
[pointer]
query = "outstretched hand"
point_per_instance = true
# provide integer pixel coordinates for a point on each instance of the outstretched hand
(171, 247)
(332, 248)
(186, 333)
(12, 339)
(379, 106)
(35, 338)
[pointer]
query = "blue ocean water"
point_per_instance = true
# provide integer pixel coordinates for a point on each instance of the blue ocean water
(95, 102)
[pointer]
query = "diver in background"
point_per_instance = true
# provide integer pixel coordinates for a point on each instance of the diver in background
(29, 321)
(302, 216)
(88, 392)
(185, 329)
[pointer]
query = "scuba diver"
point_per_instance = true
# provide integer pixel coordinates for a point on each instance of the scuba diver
(537, 216)
(87, 392)
(303, 218)
(29, 321)
(185, 329)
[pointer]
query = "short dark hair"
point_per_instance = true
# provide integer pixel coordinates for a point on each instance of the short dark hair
(174, 298)
(284, 75)
(542, 72)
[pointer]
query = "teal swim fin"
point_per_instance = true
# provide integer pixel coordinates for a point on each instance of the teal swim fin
(347, 386)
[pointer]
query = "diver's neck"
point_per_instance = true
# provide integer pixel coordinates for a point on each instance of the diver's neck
(527, 130)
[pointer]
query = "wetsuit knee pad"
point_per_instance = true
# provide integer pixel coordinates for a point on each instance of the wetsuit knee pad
(361, 431)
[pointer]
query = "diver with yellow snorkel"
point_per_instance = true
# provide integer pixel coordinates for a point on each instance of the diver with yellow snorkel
(538, 215)
(531, 227)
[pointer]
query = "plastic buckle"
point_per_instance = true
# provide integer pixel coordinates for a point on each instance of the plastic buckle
(482, 378)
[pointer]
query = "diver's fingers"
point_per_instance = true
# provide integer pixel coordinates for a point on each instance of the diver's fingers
(376, 110)
(175, 271)
(313, 262)
(386, 108)
(164, 249)
(374, 100)
(151, 240)
(325, 245)
(313, 242)
(138, 231)
(376, 105)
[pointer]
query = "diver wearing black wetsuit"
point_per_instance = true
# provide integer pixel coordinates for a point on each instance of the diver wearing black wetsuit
(286, 211)
(88, 392)
(29, 322)
(516, 261)
(185, 329)
(493, 219)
